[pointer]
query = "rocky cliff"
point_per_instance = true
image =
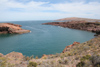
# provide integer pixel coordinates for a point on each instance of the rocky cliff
(12, 28)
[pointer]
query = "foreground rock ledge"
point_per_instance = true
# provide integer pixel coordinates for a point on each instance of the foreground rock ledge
(12, 29)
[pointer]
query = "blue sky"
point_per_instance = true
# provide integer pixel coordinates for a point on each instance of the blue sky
(17, 10)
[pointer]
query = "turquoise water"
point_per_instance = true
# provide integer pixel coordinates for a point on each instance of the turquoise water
(43, 39)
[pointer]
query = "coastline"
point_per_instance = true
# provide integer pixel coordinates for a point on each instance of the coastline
(73, 51)
(80, 25)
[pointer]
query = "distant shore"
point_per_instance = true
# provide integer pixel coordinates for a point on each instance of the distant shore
(81, 25)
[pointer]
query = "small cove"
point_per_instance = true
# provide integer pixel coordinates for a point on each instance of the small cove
(43, 39)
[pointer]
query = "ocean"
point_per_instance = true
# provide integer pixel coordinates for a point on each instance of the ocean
(43, 39)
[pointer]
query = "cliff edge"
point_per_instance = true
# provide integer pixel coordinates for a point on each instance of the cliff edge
(11, 29)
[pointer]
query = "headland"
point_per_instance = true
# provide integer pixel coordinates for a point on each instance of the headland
(12, 29)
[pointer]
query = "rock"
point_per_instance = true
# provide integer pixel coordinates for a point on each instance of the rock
(1, 55)
(12, 29)
(68, 47)
(14, 24)
(44, 56)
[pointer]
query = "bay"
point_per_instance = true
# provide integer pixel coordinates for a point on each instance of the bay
(43, 39)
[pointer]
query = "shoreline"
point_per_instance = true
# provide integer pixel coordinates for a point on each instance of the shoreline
(79, 25)
(58, 24)
(69, 57)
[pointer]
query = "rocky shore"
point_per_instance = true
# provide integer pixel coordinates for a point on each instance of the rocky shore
(11, 29)
(81, 25)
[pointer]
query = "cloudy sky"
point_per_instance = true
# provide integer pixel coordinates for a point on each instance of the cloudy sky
(17, 10)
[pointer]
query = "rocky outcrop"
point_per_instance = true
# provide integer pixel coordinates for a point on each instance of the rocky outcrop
(70, 46)
(44, 56)
(81, 25)
(15, 55)
(12, 29)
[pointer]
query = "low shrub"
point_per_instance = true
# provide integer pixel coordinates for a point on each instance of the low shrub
(36, 57)
(32, 64)
(87, 57)
(63, 61)
(80, 64)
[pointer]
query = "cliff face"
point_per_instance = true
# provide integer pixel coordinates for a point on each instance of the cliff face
(81, 25)
(12, 28)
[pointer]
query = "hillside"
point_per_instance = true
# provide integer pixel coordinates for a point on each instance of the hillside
(86, 54)
(77, 19)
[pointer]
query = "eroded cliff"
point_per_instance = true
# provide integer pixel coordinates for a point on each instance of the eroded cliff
(11, 29)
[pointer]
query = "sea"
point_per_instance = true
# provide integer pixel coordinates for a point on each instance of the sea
(43, 39)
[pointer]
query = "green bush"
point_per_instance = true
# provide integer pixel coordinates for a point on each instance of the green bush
(32, 64)
(80, 64)
(63, 61)
(87, 57)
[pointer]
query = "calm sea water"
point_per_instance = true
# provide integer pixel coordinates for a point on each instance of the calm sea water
(43, 39)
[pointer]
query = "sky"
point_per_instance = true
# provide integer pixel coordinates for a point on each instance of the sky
(21, 10)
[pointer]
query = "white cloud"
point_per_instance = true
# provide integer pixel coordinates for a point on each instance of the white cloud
(81, 7)
(44, 10)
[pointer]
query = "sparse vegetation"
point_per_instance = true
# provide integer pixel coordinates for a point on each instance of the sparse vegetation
(80, 64)
(3, 62)
(32, 64)
(36, 57)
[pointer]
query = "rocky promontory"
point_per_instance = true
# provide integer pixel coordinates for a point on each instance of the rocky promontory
(81, 25)
(12, 28)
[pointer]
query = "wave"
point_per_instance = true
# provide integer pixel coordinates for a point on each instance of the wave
(60, 27)
(36, 28)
